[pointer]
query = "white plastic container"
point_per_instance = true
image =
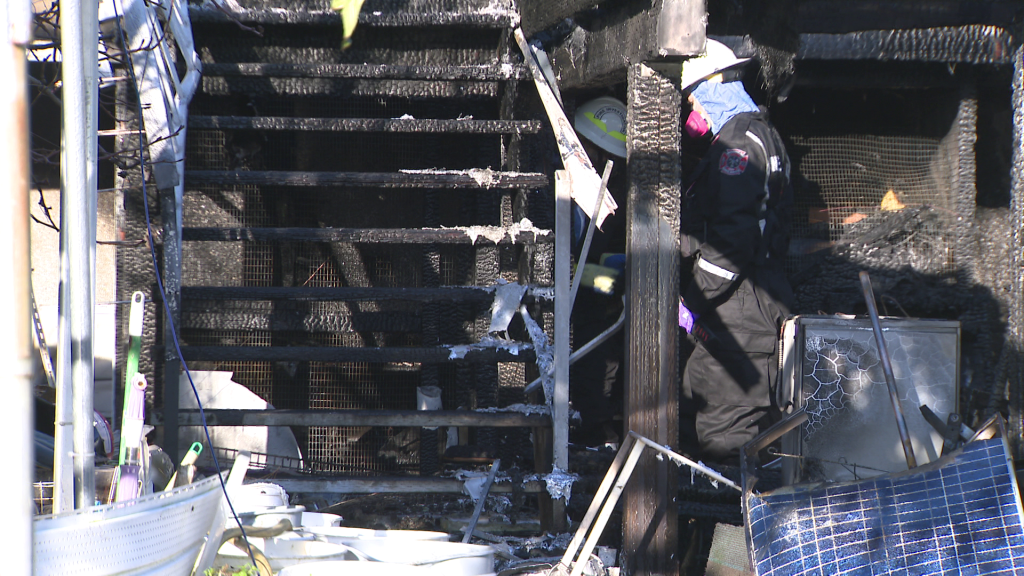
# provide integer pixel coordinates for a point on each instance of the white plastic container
(271, 516)
(249, 497)
(342, 568)
(443, 558)
(283, 552)
(345, 535)
(319, 519)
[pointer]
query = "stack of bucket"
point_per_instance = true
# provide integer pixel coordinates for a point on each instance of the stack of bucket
(318, 546)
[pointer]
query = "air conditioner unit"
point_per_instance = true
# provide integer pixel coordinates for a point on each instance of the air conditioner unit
(831, 367)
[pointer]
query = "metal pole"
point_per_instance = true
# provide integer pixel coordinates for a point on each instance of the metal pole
(560, 402)
(480, 503)
(608, 508)
(890, 380)
(79, 47)
(597, 502)
(15, 315)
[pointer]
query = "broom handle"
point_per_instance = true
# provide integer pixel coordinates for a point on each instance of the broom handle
(890, 380)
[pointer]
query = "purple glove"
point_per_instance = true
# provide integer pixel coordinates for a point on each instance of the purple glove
(686, 317)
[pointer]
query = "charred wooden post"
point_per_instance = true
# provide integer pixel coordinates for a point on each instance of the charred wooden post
(172, 296)
(652, 284)
(1015, 334)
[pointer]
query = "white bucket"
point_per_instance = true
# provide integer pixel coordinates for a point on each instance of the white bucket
(266, 517)
(282, 552)
(249, 497)
(354, 569)
(320, 519)
(345, 535)
(445, 558)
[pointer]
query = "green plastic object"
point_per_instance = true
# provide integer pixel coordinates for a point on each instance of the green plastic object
(134, 350)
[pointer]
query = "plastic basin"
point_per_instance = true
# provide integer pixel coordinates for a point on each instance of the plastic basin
(444, 558)
(342, 568)
(249, 497)
(320, 519)
(282, 553)
(271, 516)
(345, 535)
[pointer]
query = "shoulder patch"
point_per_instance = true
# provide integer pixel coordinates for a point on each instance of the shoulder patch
(733, 162)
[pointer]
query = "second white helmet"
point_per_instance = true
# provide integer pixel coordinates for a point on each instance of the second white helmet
(603, 122)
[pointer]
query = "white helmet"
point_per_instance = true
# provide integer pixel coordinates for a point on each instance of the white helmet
(717, 57)
(603, 122)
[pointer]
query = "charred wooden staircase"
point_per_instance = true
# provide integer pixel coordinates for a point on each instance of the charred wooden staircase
(346, 218)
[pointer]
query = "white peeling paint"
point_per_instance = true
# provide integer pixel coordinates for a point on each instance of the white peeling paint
(487, 343)
(521, 408)
(484, 177)
(544, 352)
(497, 233)
(507, 297)
(559, 483)
(542, 292)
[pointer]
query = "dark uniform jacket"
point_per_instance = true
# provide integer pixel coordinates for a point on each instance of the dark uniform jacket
(735, 221)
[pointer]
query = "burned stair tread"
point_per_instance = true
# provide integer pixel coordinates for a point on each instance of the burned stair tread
(347, 293)
(495, 417)
(482, 72)
(486, 16)
(403, 125)
(328, 318)
(507, 351)
(431, 178)
(520, 233)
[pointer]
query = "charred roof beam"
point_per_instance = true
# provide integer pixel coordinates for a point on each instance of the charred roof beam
(606, 40)
(970, 44)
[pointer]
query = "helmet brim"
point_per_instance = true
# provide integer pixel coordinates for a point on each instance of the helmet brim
(689, 82)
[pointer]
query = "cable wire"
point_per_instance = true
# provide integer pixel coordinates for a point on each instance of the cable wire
(130, 65)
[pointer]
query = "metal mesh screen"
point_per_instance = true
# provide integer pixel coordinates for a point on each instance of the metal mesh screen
(850, 181)
(885, 182)
(256, 376)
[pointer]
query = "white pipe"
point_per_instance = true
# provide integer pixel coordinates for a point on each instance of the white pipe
(560, 402)
(79, 47)
(15, 341)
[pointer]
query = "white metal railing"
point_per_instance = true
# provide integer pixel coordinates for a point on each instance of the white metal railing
(159, 34)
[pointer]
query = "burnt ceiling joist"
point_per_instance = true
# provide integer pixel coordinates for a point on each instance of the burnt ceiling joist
(607, 36)
(606, 41)
(971, 44)
(539, 16)
(843, 16)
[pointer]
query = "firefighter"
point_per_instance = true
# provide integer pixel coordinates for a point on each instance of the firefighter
(597, 380)
(733, 241)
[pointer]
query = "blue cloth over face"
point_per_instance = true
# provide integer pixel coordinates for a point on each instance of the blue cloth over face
(722, 101)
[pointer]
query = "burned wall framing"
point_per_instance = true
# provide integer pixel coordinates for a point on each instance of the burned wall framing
(605, 41)
(1014, 365)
